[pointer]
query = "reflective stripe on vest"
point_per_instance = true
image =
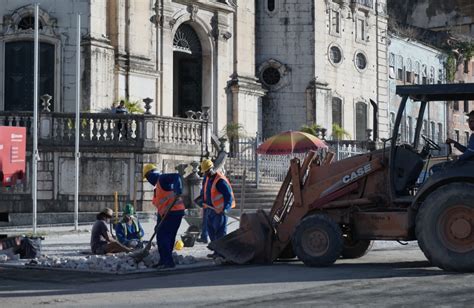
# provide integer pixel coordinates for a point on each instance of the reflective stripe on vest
(217, 199)
(135, 224)
(163, 198)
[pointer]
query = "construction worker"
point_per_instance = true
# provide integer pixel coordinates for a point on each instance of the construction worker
(204, 236)
(217, 197)
(129, 231)
(468, 152)
(102, 241)
(170, 206)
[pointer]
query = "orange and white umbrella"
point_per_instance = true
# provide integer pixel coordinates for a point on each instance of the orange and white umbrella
(290, 142)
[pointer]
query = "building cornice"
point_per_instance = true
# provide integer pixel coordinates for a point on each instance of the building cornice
(208, 5)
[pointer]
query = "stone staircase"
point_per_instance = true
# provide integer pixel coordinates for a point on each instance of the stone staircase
(255, 198)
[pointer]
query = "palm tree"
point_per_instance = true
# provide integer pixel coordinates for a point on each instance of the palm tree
(233, 132)
(338, 133)
(133, 106)
(312, 129)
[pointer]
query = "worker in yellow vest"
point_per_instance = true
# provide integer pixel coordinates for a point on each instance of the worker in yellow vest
(217, 197)
(129, 231)
(167, 193)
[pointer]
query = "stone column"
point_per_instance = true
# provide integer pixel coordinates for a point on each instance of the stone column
(165, 23)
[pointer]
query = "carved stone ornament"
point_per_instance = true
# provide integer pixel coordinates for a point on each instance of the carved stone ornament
(172, 22)
(193, 10)
(226, 35)
(12, 22)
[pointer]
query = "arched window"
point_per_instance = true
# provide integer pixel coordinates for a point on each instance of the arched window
(417, 72)
(408, 71)
(391, 64)
(361, 121)
(19, 74)
(271, 5)
(186, 41)
(424, 74)
(187, 71)
(400, 68)
(337, 111)
(432, 75)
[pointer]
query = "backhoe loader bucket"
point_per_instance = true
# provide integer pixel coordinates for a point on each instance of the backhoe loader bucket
(251, 243)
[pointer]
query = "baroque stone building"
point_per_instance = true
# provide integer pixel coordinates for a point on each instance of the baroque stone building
(322, 62)
(184, 55)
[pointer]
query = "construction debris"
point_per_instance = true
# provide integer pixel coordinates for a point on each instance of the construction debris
(117, 263)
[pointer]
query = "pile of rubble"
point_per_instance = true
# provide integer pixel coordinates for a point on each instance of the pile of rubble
(117, 263)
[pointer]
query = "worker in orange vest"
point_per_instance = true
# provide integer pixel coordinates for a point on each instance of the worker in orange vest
(217, 197)
(168, 190)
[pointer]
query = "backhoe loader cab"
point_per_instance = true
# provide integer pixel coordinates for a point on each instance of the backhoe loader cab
(325, 211)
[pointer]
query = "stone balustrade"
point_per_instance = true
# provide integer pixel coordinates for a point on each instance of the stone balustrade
(130, 132)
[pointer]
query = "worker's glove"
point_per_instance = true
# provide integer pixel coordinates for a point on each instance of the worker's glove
(133, 244)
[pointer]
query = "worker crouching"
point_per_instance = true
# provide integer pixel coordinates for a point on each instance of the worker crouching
(129, 231)
(102, 241)
(170, 206)
(218, 198)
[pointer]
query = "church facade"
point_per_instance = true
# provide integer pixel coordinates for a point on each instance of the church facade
(185, 55)
(322, 63)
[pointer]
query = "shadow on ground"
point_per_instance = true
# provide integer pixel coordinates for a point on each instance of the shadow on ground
(33, 282)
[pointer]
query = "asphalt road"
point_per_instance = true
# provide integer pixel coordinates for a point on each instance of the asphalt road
(398, 276)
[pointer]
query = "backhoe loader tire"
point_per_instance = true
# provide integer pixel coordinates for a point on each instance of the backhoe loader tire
(354, 249)
(317, 240)
(445, 227)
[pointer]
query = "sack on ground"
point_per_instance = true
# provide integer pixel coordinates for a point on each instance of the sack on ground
(30, 248)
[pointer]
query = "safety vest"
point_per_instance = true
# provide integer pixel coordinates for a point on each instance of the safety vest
(217, 198)
(163, 198)
(134, 224)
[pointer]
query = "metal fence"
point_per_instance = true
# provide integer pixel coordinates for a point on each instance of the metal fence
(268, 169)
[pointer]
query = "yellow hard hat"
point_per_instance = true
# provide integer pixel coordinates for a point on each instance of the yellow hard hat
(147, 168)
(206, 165)
(179, 245)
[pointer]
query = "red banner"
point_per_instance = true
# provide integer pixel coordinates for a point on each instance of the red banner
(12, 154)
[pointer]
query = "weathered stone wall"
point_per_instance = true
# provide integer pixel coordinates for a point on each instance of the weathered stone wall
(101, 174)
(244, 90)
(114, 149)
(456, 15)
(286, 42)
(345, 80)
(296, 39)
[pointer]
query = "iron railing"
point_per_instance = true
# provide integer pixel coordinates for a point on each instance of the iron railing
(268, 169)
